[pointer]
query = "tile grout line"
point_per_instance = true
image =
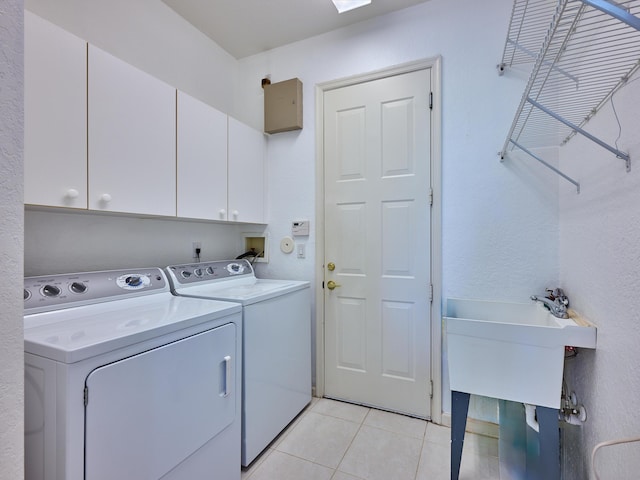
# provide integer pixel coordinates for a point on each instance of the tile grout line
(337, 469)
(292, 427)
(424, 440)
(279, 438)
(306, 460)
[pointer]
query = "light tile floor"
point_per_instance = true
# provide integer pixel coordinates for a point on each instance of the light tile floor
(333, 440)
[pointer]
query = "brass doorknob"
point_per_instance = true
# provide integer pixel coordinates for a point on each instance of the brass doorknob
(331, 266)
(331, 285)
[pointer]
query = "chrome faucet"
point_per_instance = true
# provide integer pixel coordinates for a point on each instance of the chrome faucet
(555, 300)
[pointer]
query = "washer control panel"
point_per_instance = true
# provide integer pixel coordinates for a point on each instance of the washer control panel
(207, 271)
(49, 292)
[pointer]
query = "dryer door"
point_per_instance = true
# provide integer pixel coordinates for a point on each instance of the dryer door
(147, 413)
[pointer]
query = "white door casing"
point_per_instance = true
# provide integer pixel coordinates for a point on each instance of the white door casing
(377, 191)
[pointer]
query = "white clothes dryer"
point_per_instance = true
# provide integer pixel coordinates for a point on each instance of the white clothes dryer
(276, 381)
(124, 380)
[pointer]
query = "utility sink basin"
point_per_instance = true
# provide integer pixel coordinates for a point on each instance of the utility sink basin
(511, 351)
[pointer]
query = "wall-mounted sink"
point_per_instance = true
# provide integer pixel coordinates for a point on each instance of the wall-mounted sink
(511, 351)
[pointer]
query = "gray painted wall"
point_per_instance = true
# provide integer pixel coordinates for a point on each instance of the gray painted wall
(151, 36)
(11, 228)
(600, 260)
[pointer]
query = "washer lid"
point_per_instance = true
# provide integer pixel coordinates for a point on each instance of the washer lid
(243, 291)
(74, 334)
(232, 280)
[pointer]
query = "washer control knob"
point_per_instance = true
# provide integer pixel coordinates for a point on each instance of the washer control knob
(198, 272)
(78, 287)
(185, 273)
(235, 268)
(27, 294)
(133, 280)
(209, 270)
(50, 291)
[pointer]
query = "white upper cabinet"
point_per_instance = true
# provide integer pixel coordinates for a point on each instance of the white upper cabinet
(101, 134)
(202, 160)
(55, 99)
(132, 138)
(246, 173)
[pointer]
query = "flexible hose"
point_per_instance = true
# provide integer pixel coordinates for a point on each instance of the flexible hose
(607, 444)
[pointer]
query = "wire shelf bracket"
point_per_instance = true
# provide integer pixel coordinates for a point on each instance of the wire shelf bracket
(589, 50)
(583, 132)
(548, 165)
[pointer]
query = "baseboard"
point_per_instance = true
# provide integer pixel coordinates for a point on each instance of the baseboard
(488, 429)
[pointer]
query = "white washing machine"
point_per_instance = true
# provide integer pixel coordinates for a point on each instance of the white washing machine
(124, 380)
(276, 381)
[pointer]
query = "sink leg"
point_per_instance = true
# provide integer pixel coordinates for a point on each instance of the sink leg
(459, 410)
(549, 437)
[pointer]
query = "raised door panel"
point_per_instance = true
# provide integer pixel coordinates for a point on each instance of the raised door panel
(132, 139)
(55, 99)
(246, 173)
(202, 160)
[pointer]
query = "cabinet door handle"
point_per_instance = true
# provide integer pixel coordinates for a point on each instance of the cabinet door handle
(72, 193)
(236, 213)
(106, 198)
(222, 212)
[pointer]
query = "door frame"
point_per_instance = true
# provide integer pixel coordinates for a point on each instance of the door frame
(434, 64)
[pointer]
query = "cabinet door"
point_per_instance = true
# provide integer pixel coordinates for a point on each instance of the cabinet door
(132, 139)
(246, 173)
(202, 160)
(55, 100)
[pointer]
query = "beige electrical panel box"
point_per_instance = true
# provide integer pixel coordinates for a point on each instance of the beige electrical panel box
(283, 106)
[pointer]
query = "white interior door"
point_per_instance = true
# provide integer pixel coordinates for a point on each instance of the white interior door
(377, 138)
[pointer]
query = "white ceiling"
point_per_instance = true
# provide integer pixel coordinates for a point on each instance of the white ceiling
(246, 27)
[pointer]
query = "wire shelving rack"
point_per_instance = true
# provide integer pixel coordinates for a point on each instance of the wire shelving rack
(589, 50)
